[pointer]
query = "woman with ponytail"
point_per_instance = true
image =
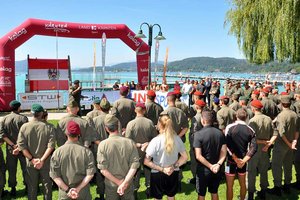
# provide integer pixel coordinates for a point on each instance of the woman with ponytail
(162, 157)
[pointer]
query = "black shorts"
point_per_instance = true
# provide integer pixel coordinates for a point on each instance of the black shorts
(231, 169)
(206, 179)
(162, 184)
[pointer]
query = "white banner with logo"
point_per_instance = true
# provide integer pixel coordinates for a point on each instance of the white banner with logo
(161, 97)
(49, 100)
(90, 96)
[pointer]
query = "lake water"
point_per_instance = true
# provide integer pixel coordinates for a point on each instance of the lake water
(132, 76)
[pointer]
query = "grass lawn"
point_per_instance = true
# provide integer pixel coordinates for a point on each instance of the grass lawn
(188, 190)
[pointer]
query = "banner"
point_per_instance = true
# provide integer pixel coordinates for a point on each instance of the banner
(49, 100)
(161, 97)
(48, 74)
(111, 96)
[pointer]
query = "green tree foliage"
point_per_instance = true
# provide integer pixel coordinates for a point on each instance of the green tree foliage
(266, 30)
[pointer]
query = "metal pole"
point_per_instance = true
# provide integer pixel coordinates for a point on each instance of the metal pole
(57, 71)
(150, 48)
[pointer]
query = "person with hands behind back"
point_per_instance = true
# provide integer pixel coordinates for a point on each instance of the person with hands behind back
(210, 150)
(164, 150)
(241, 146)
(73, 166)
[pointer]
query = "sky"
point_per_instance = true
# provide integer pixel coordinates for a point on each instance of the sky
(192, 28)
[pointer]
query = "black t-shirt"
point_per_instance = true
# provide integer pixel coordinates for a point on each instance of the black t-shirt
(210, 140)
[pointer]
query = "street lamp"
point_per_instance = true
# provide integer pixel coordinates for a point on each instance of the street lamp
(158, 37)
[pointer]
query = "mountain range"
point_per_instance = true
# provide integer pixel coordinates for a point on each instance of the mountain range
(197, 64)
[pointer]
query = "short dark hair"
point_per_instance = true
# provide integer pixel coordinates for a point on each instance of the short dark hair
(225, 101)
(112, 127)
(207, 116)
(241, 114)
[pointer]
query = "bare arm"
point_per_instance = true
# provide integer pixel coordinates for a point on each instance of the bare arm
(183, 132)
(201, 159)
(84, 182)
(61, 184)
(111, 177)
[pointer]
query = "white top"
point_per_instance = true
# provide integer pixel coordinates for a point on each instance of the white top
(156, 149)
(186, 88)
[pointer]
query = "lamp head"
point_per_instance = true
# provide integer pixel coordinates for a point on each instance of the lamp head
(140, 34)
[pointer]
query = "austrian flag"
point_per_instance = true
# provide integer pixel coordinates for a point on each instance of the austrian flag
(48, 74)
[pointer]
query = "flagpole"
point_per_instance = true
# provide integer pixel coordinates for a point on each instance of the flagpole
(156, 59)
(165, 65)
(103, 57)
(94, 70)
(57, 71)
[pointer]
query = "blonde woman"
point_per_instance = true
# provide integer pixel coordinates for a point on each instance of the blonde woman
(164, 150)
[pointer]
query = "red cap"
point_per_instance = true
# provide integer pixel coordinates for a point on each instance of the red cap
(256, 92)
(265, 90)
(224, 97)
(141, 105)
(256, 104)
(124, 89)
(284, 93)
(198, 93)
(151, 93)
(73, 128)
(200, 103)
(176, 92)
(170, 94)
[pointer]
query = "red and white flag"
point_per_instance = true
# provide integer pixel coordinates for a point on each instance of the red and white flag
(48, 74)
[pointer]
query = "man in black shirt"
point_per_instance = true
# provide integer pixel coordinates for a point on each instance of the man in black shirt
(241, 146)
(210, 150)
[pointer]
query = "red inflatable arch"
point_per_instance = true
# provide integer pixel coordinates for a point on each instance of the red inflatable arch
(31, 27)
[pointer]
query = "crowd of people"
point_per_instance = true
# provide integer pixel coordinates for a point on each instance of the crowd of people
(246, 131)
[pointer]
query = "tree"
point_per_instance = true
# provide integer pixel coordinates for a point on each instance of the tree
(266, 30)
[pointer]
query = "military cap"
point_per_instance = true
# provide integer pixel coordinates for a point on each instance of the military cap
(97, 101)
(110, 119)
(124, 89)
(256, 92)
(257, 104)
(265, 90)
(151, 93)
(73, 104)
(141, 105)
(76, 82)
(285, 99)
(73, 128)
(14, 104)
(170, 94)
(177, 92)
(35, 108)
(198, 93)
(243, 98)
(224, 97)
(200, 103)
(104, 103)
(284, 93)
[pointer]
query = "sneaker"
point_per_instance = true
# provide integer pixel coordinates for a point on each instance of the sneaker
(275, 191)
(13, 192)
(262, 194)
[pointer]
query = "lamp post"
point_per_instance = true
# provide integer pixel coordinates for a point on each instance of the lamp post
(150, 33)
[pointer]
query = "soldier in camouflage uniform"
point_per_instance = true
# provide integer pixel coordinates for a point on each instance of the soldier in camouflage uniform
(9, 129)
(153, 109)
(235, 102)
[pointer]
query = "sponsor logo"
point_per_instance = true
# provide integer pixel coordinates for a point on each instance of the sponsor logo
(144, 80)
(14, 36)
(134, 40)
(144, 70)
(94, 28)
(5, 69)
(5, 81)
(53, 74)
(40, 97)
(107, 28)
(57, 27)
(5, 58)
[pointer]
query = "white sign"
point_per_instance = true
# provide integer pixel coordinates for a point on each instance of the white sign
(161, 97)
(90, 96)
(49, 100)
